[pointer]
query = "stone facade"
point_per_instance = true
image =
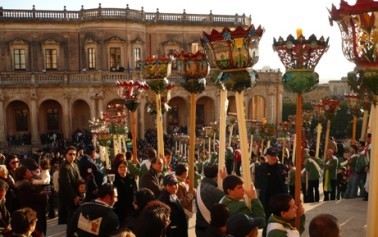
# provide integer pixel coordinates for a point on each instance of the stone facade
(58, 69)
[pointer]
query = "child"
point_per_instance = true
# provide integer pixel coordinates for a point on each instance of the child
(341, 182)
(81, 191)
(44, 177)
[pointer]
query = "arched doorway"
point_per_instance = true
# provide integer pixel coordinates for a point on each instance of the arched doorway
(18, 123)
(80, 115)
(177, 119)
(50, 121)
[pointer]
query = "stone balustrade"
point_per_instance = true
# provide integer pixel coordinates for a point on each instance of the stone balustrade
(7, 15)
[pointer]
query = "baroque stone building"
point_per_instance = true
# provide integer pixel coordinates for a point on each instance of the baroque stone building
(58, 69)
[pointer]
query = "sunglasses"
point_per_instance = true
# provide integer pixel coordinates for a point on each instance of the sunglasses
(15, 162)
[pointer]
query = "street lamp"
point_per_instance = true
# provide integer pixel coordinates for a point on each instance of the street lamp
(234, 53)
(359, 33)
(300, 57)
(353, 103)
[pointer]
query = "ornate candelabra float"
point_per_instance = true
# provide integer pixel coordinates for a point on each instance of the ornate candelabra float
(117, 117)
(330, 107)
(359, 33)
(234, 53)
(156, 70)
(300, 57)
(193, 69)
(131, 92)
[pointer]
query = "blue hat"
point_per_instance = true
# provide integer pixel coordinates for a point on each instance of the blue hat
(239, 225)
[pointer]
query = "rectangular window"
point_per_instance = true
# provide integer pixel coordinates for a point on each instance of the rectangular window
(22, 123)
(91, 58)
(19, 59)
(137, 56)
(52, 119)
(115, 59)
(51, 59)
(173, 115)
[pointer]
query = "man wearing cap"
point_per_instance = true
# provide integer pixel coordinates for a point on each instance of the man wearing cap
(179, 223)
(270, 178)
(241, 225)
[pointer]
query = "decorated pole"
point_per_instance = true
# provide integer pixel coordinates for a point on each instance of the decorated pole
(131, 92)
(330, 107)
(193, 69)
(317, 107)
(156, 71)
(358, 28)
(234, 53)
(354, 108)
(300, 57)
(366, 105)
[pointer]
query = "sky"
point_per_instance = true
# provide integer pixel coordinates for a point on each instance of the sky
(277, 17)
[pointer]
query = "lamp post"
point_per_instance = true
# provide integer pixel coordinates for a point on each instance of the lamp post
(234, 53)
(358, 28)
(353, 103)
(193, 68)
(131, 92)
(300, 56)
(156, 71)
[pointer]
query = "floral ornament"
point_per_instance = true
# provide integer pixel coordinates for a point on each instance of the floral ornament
(193, 68)
(165, 96)
(155, 71)
(300, 57)
(117, 118)
(359, 40)
(234, 53)
(330, 107)
(131, 91)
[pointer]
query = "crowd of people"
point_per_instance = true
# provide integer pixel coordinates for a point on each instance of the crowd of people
(150, 196)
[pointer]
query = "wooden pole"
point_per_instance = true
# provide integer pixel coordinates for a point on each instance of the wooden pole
(318, 133)
(192, 139)
(298, 151)
(326, 140)
(159, 126)
(222, 134)
(372, 215)
(354, 130)
(239, 97)
(133, 134)
(364, 124)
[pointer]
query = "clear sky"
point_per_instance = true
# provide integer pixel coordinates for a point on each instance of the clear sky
(277, 17)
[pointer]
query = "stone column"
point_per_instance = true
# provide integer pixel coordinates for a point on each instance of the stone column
(67, 128)
(3, 140)
(271, 108)
(35, 139)
(92, 107)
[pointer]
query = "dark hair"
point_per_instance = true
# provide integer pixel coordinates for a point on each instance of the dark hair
(324, 225)
(167, 152)
(70, 148)
(142, 197)
(219, 214)
(9, 159)
(153, 220)
(151, 153)
(20, 172)
(4, 185)
(44, 163)
(181, 168)
(129, 155)
(115, 162)
(22, 219)
(80, 182)
(279, 203)
(105, 189)
(210, 171)
(230, 182)
(354, 147)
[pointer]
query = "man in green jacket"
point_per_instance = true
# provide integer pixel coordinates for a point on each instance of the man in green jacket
(330, 176)
(234, 190)
(313, 172)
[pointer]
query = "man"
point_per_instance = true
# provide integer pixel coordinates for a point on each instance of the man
(324, 225)
(184, 193)
(68, 177)
(153, 178)
(330, 176)
(179, 223)
(96, 218)
(91, 173)
(352, 186)
(270, 178)
(207, 196)
(5, 219)
(360, 169)
(234, 190)
(313, 172)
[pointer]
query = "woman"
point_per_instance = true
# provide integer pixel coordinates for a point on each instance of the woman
(11, 203)
(282, 221)
(30, 195)
(12, 162)
(126, 186)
